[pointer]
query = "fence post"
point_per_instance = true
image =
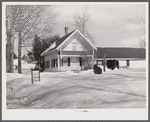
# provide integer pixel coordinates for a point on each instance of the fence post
(31, 76)
(104, 66)
(39, 75)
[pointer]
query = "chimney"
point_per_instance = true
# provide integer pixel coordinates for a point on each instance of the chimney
(66, 30)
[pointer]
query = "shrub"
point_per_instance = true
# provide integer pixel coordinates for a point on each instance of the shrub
(97, 70)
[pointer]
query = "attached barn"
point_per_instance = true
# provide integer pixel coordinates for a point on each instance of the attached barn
(120, 57)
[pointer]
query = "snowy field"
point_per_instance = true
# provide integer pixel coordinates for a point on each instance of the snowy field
(120, 88)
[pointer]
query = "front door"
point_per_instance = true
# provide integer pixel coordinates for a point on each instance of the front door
(74, 63)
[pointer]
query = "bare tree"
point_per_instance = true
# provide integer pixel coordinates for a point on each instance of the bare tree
(87, 57)
(9, 50)
(27, 21)
(9, 46)
(81, 21)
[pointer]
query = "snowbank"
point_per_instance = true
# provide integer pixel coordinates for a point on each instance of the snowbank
(109, 70)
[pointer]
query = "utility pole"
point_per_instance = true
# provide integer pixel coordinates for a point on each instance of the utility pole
(104, 63)
(19, 52)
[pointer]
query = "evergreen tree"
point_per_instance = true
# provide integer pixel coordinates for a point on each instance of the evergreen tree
(40, 45)
(30, 56)
(15, 56)
(24, 57)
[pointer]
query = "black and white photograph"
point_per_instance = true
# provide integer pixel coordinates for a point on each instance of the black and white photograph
(79, 57)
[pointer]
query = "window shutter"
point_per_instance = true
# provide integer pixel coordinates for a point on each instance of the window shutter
(68, 61)
(56, 62)
(80, 60)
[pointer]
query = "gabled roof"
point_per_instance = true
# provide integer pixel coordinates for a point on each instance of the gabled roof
(60, 41)
(57, 43)
(120, 52)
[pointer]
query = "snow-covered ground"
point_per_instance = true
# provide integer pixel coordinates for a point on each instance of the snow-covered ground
(120, 88)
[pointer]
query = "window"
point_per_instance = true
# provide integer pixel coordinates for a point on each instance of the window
(80, 60)
(128, 63)
(74, 46)
(68, 61)
(54, 62)
(47, 64)
(65, 62)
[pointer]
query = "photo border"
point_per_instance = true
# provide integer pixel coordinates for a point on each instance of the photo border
(81, 114)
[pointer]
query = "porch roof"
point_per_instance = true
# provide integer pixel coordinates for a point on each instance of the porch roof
(76, 53)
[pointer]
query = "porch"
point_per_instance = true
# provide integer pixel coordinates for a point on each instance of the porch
(73, 60)
(70, 63)
(65, 63)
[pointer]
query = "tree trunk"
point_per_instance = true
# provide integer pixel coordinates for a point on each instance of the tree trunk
(12, 55)
(9, 55)
(19, 52)
(43, 63)
(39, 62)
(9, 50)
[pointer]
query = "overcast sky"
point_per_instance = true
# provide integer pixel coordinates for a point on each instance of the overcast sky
(111, 25)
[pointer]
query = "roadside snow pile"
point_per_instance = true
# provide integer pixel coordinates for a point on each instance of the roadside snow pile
(58, 73)
(86, 72)
(74, 73)
(91, 72)
(109, 70)
(69, 72)
(12, 76)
